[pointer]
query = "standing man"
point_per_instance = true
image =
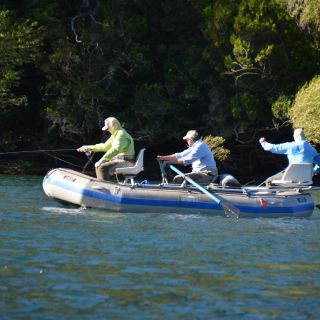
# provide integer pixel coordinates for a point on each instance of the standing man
(199, 155)
(119, 150)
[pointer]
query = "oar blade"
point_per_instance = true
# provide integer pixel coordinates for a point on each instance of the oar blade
(229, 209)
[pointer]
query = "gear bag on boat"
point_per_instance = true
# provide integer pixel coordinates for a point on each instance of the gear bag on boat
(226, 180)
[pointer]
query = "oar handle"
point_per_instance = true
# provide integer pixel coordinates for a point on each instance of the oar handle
(163, 172)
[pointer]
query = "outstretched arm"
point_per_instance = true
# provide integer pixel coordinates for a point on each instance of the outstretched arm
(170, 158)
(281, 148)
(84, 149)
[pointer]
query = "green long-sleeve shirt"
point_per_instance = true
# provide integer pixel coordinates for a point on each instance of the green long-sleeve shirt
(120, 143)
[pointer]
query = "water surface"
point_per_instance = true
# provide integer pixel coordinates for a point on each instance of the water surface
(61, 262)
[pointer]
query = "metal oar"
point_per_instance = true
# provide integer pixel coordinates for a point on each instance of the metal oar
(229, 209)
(163, 173)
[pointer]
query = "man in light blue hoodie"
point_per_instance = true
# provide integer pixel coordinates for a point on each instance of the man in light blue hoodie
(297, 151)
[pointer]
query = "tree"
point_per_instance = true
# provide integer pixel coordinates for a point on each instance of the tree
(20, 47)
(307, 16)
(20, 44)
(267, 57)
(305, 112)
(138, 60)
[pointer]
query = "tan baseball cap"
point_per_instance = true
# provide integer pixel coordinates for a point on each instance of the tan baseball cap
(192, 135)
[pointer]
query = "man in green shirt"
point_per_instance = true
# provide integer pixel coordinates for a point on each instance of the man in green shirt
(119, 150)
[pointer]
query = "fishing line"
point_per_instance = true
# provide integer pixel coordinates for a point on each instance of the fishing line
(65, 161)
(47, 151)
(33, 151)
(90, 158)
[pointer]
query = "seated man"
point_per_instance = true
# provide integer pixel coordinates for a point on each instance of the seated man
(199, 155)
(119, 150)
(297, 151)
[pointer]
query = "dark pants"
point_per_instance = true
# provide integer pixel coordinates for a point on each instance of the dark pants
(107, 170)
(199, 177)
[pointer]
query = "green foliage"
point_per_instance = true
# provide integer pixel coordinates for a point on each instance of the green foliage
(265, 55)
(161, 67)
(219, 18)
(139, 61)
(310, 14)
(307, 16)
(280, 107)
(245, 106)
(305, 112)
(216, 145)
(20, 44)
(8, 141)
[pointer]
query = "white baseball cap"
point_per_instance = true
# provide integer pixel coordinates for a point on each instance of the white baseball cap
(111, 123)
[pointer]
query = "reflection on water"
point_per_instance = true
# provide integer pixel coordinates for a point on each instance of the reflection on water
(64, 263)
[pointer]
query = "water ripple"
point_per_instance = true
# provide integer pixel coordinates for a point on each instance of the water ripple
(59, 262)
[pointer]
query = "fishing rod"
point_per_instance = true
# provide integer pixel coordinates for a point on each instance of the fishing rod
(34, 151)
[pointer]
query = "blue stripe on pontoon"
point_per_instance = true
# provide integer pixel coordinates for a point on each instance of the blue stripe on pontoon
(174, 203)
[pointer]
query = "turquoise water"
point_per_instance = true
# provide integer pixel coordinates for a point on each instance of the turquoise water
(66, 263)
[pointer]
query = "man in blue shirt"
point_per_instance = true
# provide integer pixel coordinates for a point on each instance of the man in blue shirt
(199, 155)
(297, 151)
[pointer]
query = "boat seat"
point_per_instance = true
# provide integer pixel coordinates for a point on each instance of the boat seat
(296, 174)
(130, 173)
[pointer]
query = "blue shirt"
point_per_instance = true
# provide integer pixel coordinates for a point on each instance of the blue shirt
(199, 155)
(297, 151)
